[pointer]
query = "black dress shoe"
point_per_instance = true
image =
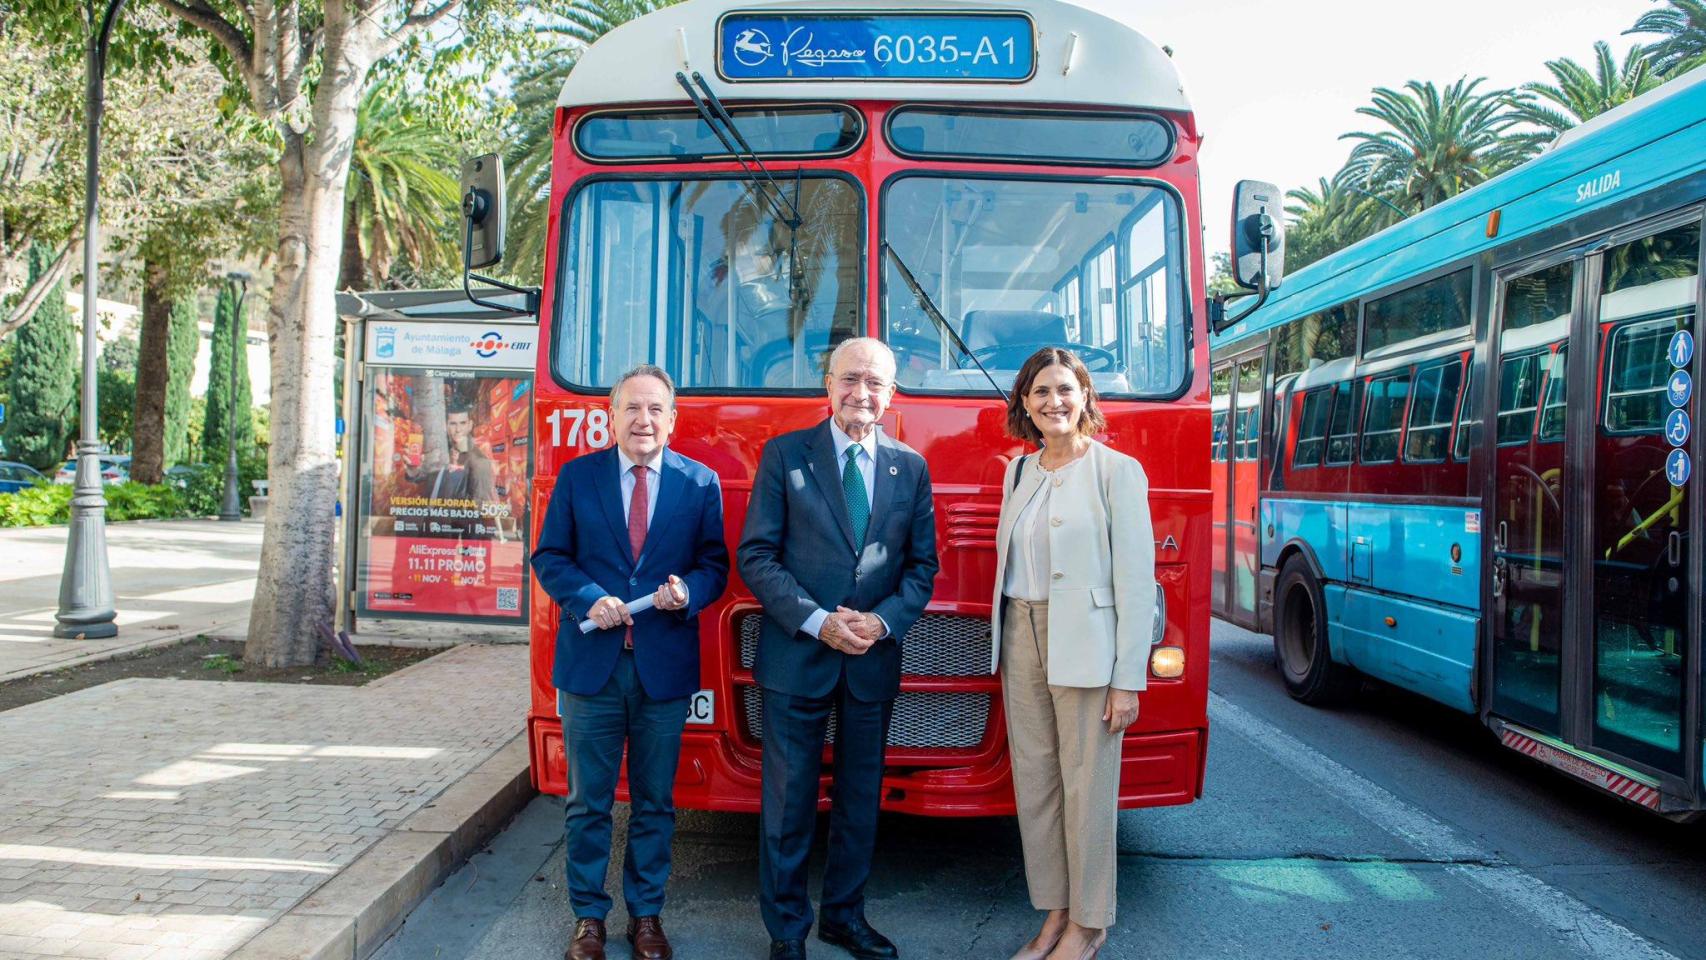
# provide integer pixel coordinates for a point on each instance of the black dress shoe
(858, 938)
(787, 950)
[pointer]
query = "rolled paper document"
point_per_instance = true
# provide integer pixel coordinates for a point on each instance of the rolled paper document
(634, 607)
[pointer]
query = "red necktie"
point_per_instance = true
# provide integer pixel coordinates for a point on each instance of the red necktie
(636, 529)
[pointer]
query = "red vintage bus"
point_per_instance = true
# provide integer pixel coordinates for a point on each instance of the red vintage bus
(739, 186)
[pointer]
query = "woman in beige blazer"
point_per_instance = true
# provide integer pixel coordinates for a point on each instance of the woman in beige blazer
(1075, 561)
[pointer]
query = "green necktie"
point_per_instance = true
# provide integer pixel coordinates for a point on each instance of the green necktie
(853, 486)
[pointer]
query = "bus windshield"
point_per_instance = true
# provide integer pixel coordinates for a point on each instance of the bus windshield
(699, 277)
(1020, 264)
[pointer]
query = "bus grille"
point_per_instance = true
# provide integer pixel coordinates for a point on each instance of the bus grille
(927, 721)
(938, 645)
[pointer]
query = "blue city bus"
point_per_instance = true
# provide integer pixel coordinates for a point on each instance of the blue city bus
(1458, 457)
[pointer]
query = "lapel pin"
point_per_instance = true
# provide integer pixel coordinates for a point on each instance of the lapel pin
(894, 471)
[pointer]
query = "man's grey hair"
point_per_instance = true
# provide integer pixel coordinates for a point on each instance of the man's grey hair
(854, 343)
(644, 370)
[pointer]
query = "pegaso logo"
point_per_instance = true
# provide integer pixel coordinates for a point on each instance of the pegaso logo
(491, 342)
(752, 47)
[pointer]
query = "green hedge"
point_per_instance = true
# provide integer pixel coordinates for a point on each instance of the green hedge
(196, 495)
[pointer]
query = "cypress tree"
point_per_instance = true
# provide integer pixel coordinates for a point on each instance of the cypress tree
(219, 382)
(181, 349)
(41, 418)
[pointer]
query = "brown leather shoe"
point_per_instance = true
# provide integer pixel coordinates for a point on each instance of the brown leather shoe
(588, 943)
(646, 934)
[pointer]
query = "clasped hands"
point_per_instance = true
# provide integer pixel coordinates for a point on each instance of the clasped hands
(850, 631)
(610, 612)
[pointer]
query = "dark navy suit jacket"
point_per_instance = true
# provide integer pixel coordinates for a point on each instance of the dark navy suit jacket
(583, 554)
(797, 554)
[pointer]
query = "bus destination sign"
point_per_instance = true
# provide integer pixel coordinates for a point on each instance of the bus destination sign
(984, 47)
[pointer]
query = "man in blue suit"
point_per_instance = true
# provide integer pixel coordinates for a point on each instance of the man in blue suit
(624, 522)
(840, 548)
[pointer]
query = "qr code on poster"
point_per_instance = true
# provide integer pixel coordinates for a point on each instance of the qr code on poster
(509, 598)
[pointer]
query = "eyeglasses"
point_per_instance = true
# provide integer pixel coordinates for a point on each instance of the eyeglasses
(873, 384)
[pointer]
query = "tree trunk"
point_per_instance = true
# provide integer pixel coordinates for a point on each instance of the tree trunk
(294, 606)
(153, 371)
(352, 270)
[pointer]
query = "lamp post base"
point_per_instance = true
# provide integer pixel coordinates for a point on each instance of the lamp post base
(86, 585)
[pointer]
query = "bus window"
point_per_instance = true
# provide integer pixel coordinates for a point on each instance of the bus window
(682, 135)
(1431, 412)
(1557, 386)
(1437, 305)
(957, 235)
(1342, 426)
(695, 276)
(1033, 135)
(1384, 421)
(1312, 429)
(1636, 375)
(1468, 420)
(1316, 339)
(1519, 398)
(1217, 452)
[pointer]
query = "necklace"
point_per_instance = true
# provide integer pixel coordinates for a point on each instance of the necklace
(1042, 459)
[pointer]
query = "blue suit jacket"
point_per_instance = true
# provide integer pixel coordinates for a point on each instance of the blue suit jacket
(797, 554)
(583, 554)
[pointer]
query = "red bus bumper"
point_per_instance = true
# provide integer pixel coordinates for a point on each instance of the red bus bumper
(1157, 769)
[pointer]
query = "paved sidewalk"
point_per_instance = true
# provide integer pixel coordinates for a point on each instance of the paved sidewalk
(176, 819)
(172, 580)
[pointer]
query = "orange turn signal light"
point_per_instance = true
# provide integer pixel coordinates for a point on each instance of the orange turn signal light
(1167, 662)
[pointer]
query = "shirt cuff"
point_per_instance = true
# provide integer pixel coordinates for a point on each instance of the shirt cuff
(814, 623)
(885, 624)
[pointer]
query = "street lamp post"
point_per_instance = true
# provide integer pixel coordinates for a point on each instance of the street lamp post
(86, 585)
(232, 508)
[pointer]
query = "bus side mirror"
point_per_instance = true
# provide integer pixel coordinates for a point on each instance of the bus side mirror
(1258, 248)
(1258, 235)
(483, 213)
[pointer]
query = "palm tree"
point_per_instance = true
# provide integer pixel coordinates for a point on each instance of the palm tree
(403, 194)
(527, 160)
(1683, 25)
(1332, 216)
(1438, 143)
(1579, 95)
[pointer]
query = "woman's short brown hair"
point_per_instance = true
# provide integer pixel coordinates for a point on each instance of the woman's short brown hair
(1019, 425)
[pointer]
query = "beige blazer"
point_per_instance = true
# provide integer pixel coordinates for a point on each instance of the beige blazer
(1101, 598)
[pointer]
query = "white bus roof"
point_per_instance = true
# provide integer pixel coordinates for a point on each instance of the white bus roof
(1110, 63)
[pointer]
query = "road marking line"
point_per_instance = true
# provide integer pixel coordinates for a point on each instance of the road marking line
(1597, 935)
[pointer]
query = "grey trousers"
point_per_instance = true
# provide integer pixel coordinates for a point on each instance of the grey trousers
(1066, 775)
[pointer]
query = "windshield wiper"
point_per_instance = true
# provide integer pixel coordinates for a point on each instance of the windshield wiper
(930, 310)
(716, 117)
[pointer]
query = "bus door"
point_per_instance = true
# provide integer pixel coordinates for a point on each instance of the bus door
(1237, 405)
(1594, 619)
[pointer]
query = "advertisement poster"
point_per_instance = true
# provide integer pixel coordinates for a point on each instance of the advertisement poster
(444, 493)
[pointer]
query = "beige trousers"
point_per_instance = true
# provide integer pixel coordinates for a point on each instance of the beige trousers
(1066, 775)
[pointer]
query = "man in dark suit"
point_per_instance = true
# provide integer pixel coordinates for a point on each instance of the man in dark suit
(840, 548)
(621, 521)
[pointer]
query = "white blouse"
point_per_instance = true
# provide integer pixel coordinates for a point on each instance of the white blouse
(1028, 560)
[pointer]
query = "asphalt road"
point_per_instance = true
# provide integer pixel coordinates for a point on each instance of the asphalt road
(1390, 828)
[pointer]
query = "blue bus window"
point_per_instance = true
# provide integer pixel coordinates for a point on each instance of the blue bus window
(1312, 429)
(1468, 420)
(1557, 395)
(1431, 412)
(1316, 339)
(1342, 427)
(1384, 421)
(1062, 137)
(1519, 398)
(1635, 382)
(1437, 305)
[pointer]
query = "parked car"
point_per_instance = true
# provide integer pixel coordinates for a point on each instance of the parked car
(114, 469)
(18, 476)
